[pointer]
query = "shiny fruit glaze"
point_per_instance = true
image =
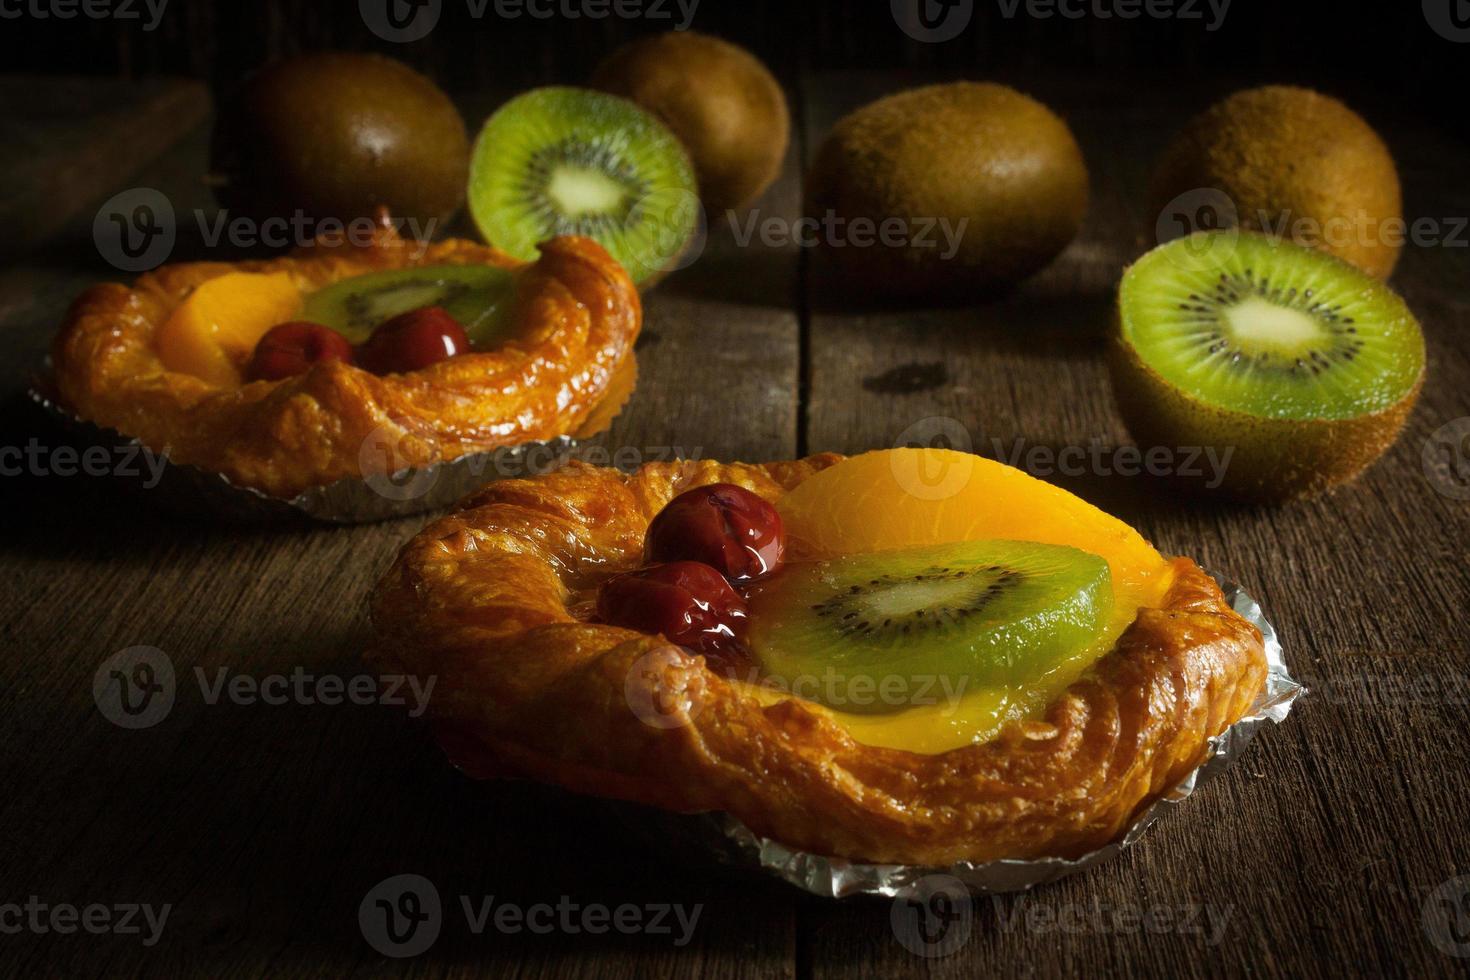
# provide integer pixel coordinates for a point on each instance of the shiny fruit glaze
(722, 525)
(414, 340)
(688, 603)
(291, 348)
(905, 498)
(213, 332)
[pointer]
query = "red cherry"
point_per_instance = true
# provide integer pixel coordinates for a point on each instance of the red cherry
(291, 348)
(414, 340)
(689, 603)
(721, 525)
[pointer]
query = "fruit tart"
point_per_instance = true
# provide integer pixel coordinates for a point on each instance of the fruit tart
(277, 373)
(914, 656)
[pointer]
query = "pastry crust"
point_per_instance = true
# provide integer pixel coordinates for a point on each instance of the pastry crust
(577, 317)
(486, 598)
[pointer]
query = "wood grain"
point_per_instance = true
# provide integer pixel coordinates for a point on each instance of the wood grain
(265, 826)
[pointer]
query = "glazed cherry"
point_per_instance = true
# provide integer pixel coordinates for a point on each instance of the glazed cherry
(414, 340)
(721, 525)
(689, 603)
(291, 348)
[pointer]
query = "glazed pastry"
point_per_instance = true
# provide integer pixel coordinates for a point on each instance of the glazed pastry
(1075, 719)
(212, 364)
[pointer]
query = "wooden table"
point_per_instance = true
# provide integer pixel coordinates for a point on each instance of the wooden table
(264, 826)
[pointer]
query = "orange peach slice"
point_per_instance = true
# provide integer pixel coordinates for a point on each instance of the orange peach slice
(903, 498)
(213, 332)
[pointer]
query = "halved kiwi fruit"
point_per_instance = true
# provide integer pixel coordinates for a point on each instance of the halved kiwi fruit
(874, 632)
(567, 161)
(478, 296)
(1298, 365)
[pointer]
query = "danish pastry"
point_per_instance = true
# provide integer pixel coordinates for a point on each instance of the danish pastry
(534, 607)
(147, 361)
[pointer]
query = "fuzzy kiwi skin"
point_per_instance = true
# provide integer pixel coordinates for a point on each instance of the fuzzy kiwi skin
(336, 135)
(1272, 460)
(1291, 153)
(719, 99)
(965, 150)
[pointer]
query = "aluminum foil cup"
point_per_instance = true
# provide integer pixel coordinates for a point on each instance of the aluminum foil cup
(186, 489)
(730, 842)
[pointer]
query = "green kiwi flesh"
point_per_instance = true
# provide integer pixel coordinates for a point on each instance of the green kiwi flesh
(567, 161)
(478, 296)
(944, 617)
(1300, 366)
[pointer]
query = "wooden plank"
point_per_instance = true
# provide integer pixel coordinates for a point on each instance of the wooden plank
(65, 142)
(1320, 848)
(266, 826)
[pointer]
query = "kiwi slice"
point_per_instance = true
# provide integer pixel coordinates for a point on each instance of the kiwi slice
(478, 296)
(883, 631)
(1300, 366)
(567, 161)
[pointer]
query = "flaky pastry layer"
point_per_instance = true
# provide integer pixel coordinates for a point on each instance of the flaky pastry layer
(577, 315)
(485, 600)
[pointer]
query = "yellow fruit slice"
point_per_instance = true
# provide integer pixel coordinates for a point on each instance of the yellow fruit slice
(908, 498)
(213, 332)
(905, 498)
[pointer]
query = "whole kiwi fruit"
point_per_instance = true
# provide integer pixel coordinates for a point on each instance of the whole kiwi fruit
(336, 135)
(719, 99)
(995, 170)
(1294, 163)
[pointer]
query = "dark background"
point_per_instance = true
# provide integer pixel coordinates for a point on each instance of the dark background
(1383, 50)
